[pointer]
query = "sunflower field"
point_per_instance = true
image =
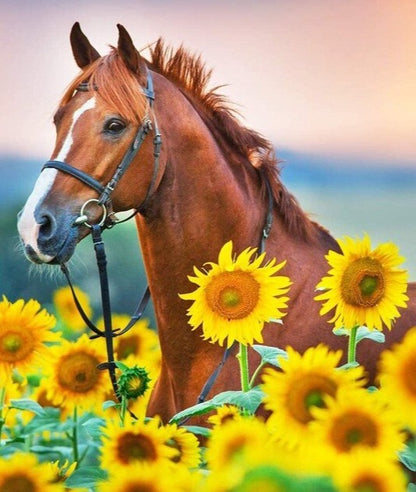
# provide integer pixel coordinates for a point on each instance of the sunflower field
(63, 429)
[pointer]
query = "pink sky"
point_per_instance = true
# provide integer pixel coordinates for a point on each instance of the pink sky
(331, 77)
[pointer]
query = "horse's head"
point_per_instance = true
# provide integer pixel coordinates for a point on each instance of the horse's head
(100, 123)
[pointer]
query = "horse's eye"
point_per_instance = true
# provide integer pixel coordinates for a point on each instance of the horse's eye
(114, 126)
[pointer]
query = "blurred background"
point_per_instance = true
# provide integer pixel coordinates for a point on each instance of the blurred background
(331, 83)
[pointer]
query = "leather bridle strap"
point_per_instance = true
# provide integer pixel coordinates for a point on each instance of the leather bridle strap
(76, 173)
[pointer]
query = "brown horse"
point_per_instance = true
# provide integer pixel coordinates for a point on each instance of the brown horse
(209, 186)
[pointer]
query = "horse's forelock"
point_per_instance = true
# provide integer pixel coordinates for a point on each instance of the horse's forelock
(114, 84)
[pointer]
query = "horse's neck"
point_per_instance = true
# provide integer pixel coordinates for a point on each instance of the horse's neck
(201, 203)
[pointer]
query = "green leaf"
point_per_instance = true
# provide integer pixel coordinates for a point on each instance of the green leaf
(94, 427)
(110, 404)
(198, 430)
(248, 400)
(408, 457)
(85, 477)
(50, 419)
(362, 333)
(27, 405)
(269, 355)
(349, 365)
(64, 452)
(194, 411)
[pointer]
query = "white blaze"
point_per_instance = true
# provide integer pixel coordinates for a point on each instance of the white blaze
(27, 226)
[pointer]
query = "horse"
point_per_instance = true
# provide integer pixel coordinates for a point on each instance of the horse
(209, 182)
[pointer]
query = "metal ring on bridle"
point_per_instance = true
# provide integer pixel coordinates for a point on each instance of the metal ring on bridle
(83, 217)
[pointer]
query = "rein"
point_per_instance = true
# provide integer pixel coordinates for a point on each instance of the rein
(108, 220)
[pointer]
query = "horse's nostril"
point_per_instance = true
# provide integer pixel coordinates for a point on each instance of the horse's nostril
(47, 226)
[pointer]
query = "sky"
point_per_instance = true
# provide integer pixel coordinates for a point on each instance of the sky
(325, 77)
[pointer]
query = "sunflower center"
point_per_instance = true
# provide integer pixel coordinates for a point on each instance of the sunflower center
(362, 283)
(307, 392)
(135, 447)
(78, 372)
(234, 448)
(351, 429)
(18, 483)
(368, 484)
(174, 444)
(15, 346)
(233, 295)
(140, 487)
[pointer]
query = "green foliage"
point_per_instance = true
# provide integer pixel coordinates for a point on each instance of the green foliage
(363, 333)
(270, 355)
(246, 400)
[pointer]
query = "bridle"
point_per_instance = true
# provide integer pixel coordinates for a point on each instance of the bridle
(108, 220)
(104, 200)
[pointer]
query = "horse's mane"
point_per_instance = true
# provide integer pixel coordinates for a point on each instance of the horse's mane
(120, 90)
(189, 73)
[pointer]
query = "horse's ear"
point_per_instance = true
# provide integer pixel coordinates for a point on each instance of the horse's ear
(84, 52)
(128, 52)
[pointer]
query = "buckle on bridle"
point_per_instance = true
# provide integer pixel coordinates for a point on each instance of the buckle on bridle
(83, 218)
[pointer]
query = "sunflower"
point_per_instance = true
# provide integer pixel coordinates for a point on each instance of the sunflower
(236, 297)
(364, 286)
(223, 414)
(185, 444)
(74, 380)
(151, 478)
(67, 310)
(302, 384)
(245, 440)
(137, 443)
(397, 371)
(365, 470)
(11, 416)
(357, 419)
(25, 329)
(22, 473)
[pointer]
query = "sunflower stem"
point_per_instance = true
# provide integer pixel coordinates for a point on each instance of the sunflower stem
(123, 409)
(352, 344)
(242, 357)
(2, 419)
(75, 437)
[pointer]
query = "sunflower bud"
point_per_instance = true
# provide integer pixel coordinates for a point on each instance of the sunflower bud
(133, 382)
